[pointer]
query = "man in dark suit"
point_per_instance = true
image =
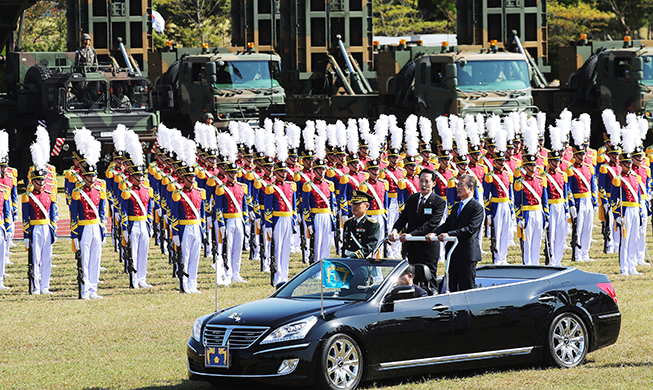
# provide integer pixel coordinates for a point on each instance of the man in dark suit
(421, 215)
(465, 222)
(361, 233)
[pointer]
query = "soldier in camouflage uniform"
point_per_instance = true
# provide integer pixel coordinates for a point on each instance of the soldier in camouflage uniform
(85, 55)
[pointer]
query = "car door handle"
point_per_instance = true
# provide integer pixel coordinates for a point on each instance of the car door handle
(546, 298)
(440, 307)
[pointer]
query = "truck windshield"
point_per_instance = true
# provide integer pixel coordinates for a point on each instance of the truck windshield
(247, 74)
(648, 70)
(130, 95)
(86, 95)
(493, 75)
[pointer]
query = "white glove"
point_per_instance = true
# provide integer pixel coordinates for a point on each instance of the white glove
(572, 211)
(489, 219)
(619, 221)
(159, 212)
(209, 221)
(546, 225)
(521, 223)
(268, 233)
(311, 230)
(27, 244)
(175, 240)
(125, 237)
(223, 230)
(76, 242)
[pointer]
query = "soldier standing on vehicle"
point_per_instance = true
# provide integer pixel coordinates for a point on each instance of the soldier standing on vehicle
(87, 215)
(85, 55)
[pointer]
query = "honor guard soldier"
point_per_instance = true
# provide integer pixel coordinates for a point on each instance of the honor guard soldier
(280, 221)
(8, 177)
(115, 174)
(39, 229)
(318, 205)
(498, 199)
(378, 189)
(557, 193)
(255, 217)
(363, 152)
(425, 154)
(641, 169)
(393, 174)
(409, 184)
(136, 203)
(531, 208)
(361, 233)
(335, 174)
(259, 192)
(608, 171)
(72, 175)
(625, 200)
(302, 177)
(230, 213)
(188, 222)
(350, 182)
(582, 199)
(39, 209)
(5, 210)
(88, 216)
(479, 170)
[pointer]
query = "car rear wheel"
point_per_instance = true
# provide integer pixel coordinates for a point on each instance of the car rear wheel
(341, 364)
(568, 341)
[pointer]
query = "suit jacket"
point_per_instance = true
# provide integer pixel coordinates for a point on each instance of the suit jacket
(420, 225)
(467, 227)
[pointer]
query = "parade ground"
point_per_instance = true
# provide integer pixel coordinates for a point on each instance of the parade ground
(136, 339)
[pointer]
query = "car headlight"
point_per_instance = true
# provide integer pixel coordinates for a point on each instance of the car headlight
(197, 327)
(293, 331)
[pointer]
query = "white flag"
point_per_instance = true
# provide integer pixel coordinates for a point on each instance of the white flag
(158, 24)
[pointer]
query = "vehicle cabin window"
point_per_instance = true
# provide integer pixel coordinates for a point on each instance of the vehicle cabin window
(648, 70)
(622, 67)
(197, 74)
(86, 95)
(128, 95)
(437, 75)
(606, 70)
(422, 70)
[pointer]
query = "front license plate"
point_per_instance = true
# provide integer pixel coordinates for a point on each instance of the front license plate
(217, 357)
(106, 134)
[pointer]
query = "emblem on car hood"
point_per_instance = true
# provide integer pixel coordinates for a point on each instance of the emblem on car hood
(235, 316)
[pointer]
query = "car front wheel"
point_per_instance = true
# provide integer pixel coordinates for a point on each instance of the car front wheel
(568, 341)
(341, 364)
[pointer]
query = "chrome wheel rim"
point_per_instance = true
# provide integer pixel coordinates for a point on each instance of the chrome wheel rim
(343, 364)
(569, 341)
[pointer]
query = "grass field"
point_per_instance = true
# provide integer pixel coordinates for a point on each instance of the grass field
(136, 339)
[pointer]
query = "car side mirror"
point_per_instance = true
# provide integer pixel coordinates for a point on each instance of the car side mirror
(209, 67)
(451, 74)
(400, 292)
(638, 64)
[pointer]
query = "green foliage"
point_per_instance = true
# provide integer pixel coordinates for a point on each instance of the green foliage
(45, 27)
(567, 21)
(402, 17)
(190, 23)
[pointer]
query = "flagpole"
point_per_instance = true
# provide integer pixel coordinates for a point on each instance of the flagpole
(322, 287)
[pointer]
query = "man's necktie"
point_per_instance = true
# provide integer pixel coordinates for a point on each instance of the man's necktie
(460, 207)
(421, 205)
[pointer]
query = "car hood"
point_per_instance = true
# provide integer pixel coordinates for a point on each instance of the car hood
(272, 311)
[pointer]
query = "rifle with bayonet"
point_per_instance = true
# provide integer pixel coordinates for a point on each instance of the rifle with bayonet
(129, 263)
(155, 226)
(179, 265)
(252, 235)
(273, 259)
(574, 236)
(263, 241)
(493, 238)
(80, 272)
(547, 247)
(30, 268)
(606, 227)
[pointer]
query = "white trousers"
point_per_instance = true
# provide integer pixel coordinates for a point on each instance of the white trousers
(584, 228)
(381, 221)
(282, 235)
(10, 237)
(393, 215)
(323, 234)
(3, 248)
(91, 251)
(140, 244)
(628, 244)
(641, 238)
(557, 232)
(191, 246)
(41, 256)
(501, 221)
(533, 237)
(235, 232)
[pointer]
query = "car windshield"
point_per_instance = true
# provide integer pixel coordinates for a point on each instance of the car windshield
(344, 279)
(493, 75)
(247, 74)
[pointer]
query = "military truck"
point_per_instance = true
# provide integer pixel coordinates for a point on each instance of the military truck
(231, 86)
(48, 88)
(595, 75)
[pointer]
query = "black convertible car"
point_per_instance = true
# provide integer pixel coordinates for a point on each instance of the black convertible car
(359, 325)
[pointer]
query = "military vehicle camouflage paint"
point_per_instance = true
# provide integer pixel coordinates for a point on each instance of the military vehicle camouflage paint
(231, 86)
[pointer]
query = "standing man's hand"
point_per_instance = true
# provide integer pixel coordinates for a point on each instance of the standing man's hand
(430, 237)
(442, 236)
(393, 236)
(404, 237)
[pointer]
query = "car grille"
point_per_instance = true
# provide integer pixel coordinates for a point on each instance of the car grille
(238, 337)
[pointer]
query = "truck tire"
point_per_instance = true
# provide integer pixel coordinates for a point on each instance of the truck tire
(37, 74)
(586, 72)
(170, 75)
